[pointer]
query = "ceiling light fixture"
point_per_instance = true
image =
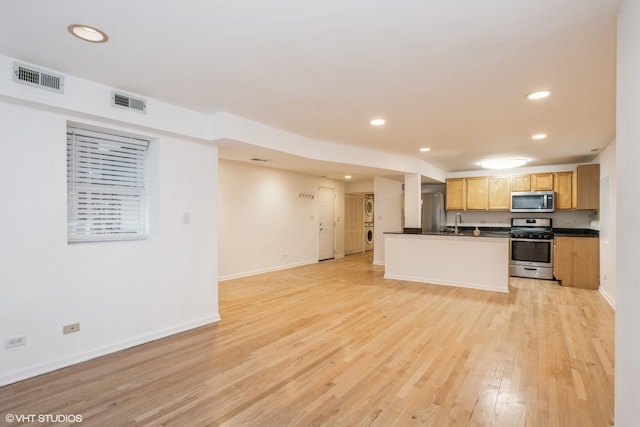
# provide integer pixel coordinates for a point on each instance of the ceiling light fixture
(347, 177)
(377, 122)
(539, 136)
(87, 33)
(539, 94)
(425, 149)
(503, 163)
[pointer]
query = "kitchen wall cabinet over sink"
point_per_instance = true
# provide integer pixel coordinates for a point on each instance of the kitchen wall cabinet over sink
(456, 194)
(477, 193)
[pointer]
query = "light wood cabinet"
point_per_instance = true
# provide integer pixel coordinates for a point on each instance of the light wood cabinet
(579, 189)
(542, 181)
(499, 193)
(586, 187)
(456, 194)
(521, 183)
(477, 193)
(576, 261)
(563, 186)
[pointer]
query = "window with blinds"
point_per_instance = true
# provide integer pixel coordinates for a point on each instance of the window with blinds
(106, 186)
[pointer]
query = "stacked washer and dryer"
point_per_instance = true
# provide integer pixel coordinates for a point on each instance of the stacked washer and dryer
(368, 222)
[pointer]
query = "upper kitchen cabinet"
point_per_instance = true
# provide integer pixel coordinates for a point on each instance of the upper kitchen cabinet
(477, 193)
(542, 181)
(521, 183)
(563, 186)
(456, 194)
(586, 187)
(532, 182)
(499, 193)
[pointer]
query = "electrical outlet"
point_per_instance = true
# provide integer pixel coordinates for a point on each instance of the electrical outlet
(69, 329)
(186, 218)
(15, 342)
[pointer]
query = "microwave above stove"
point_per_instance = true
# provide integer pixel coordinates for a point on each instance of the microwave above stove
(532, 201)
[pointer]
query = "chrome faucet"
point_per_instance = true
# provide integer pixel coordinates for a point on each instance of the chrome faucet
(458, 221)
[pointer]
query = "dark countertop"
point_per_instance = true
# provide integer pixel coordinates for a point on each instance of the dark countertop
(463, 231)
(500, 232)
(575, 232)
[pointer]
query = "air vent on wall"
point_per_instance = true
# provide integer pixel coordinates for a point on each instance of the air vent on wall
(122, 100)
(28, 75)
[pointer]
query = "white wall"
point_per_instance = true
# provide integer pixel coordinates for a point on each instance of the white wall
(627, 411)
(388, 213)
(264, 225)
(359, 187)
(608, 201)
(121, 293)
(412, 202)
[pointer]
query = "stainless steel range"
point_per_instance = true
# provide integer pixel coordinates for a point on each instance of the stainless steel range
(531, 248)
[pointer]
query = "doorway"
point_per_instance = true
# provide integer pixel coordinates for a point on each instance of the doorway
(327, 200)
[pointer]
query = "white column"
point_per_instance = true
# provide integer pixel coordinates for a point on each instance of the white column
(412, 208)
(627, 410)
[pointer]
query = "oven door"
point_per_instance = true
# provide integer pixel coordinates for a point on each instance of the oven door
(532, 252)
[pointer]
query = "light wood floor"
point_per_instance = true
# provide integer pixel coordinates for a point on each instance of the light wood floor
(336, 344)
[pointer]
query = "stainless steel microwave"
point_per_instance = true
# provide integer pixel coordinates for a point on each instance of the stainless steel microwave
(532, 201)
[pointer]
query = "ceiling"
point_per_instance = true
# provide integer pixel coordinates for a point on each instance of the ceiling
(450, 75)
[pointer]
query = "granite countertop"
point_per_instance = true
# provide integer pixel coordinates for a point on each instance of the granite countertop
(499, 232)
(575, 232)
(463, 231)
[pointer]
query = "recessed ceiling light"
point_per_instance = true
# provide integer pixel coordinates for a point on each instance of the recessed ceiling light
(347, 177)
(503, 163)
(539, 136)
(425, 149)
(538, 94)
(88, 33)
(377, 122)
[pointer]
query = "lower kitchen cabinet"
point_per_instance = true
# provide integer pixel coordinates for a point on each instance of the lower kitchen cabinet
(576, 261)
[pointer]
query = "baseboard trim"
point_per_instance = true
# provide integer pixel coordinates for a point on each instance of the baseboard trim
(265, 270)
(608, 298)
(43, 368)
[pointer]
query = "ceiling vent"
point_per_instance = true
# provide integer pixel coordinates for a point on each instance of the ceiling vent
(122, 100)
(28, 75)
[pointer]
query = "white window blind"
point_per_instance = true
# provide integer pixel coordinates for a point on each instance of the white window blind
(106, 186)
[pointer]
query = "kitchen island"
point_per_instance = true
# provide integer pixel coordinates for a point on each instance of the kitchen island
(447, 259)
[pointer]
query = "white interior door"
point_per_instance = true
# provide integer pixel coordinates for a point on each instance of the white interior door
(327, 201)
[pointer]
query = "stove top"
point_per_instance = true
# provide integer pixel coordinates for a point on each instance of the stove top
(531, 228)
(523, 234)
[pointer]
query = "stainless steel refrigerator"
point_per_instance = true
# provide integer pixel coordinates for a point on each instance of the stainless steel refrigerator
(433, 215)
